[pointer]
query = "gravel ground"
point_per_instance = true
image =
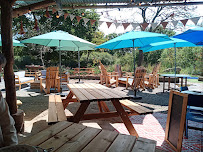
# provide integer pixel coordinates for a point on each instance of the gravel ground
(35, 104)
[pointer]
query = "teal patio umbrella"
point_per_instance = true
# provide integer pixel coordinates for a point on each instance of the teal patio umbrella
(15, 43)
(59, 39)
(134, 39)
(173, 43)
(78, 49)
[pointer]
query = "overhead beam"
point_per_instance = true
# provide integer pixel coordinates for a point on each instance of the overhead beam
(25, 9)
(132, 5)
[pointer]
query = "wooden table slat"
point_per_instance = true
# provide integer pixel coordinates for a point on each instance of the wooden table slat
(101, 142)
(87, 94)
(77, 93)
(66, 135)
(59, 107)
(123, 143)
(46, 134)
(93, 92)
(106, 91)
(52, 110)
(104, 95)
(136, 108)
(119, 93)
(80, 140)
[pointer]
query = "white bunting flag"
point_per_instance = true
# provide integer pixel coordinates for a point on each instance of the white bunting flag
(72, 17)
(86, 20)
(195, 20)
(100, 23)
(154, 25)
(134, 25)
(174, 23)
(117, 25)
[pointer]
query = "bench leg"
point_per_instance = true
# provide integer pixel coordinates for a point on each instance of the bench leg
(124, 117)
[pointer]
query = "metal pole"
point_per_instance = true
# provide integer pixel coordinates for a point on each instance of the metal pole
(175, 62)
(60, 63)
(135, 91)
(79, 62)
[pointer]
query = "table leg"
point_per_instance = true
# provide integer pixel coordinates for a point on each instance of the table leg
(80, 112)
(104, 106)
(169, 82)
(100, 106)
(124, 117)
(181, 81)
(66, 101)
(163, 84)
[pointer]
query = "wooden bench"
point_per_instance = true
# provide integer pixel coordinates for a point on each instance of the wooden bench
(56, 111)
(135, 108)
(83, 70)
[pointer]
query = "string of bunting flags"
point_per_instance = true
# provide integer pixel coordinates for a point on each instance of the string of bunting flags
(125, 25)
(153, 25)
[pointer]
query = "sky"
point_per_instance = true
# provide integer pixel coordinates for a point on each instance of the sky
(115, 14)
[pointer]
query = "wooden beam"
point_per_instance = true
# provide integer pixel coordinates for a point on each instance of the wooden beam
(25, 9)
(132, 5)
(7, 49)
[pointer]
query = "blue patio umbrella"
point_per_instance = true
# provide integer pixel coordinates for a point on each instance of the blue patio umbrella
(192, 35)
(173, 43)
(134, 39)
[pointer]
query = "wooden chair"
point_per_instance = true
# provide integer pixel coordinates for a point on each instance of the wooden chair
(107, 78)
(153, 78)
(139, 80)
(52, 80)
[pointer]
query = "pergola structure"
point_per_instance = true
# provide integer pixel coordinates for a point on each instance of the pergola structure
(15, 8)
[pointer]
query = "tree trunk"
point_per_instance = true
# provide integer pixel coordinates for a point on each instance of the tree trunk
(7, 49)
(141, 58)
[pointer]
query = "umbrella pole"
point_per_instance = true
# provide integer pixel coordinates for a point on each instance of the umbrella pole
(135, 90)
(175, 62)
(79, 63)
(60, 63)
(79, 66)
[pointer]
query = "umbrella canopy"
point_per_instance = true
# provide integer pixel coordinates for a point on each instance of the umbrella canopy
(15, 43)
(192, 35)
(134, 39)
(167, 44)
(58, 39)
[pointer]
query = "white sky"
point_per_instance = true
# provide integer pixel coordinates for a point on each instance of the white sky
(125, 14)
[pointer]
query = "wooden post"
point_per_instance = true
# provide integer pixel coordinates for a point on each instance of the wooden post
(7, 49)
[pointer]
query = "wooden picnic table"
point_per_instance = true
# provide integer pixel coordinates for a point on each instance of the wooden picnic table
(91, 92)
(34, 68)
(169, 76)
(71, 137)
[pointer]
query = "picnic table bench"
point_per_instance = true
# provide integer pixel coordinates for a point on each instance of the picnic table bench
(71, 137)
(83, 70)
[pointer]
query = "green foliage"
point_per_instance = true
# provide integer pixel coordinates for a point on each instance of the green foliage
(95, 57)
